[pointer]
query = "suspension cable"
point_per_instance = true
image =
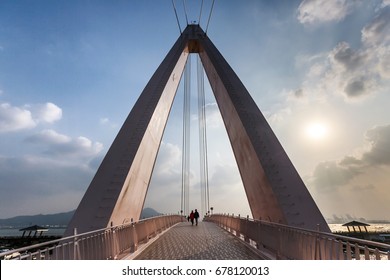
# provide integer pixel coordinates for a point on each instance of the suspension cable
(208, 21)
(203, 140)
(200, 13)
(186, 139)
(185, 10)
(177, 18)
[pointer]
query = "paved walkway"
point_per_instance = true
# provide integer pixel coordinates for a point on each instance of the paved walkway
(206, 241)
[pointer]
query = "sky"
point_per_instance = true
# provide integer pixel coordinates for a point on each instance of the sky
(319, 70)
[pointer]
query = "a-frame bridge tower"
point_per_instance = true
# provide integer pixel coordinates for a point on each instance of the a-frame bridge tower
(273, 187)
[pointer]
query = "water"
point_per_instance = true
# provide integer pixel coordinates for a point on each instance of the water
(337, 228)
(16, 232)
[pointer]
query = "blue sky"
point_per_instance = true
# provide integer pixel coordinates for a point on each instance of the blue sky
(70, 72)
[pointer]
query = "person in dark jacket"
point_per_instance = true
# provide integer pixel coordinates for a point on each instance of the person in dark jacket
(196, 216)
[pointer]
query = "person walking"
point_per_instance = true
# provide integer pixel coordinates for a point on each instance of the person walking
(196, 216)
(192, 216)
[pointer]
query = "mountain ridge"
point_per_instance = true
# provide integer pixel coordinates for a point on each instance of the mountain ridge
(58, 219)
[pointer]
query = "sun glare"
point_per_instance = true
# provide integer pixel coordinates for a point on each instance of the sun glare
(316, 131)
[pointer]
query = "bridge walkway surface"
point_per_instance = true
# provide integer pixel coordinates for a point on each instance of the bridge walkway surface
(206, 241)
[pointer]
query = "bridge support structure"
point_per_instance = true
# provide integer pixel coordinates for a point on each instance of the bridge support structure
(273, 187)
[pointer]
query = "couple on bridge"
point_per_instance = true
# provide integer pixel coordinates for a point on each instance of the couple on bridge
(194, 215)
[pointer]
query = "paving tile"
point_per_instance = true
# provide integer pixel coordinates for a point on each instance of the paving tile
(206, 241)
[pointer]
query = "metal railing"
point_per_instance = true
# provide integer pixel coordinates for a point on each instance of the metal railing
(104, 244)
(277, 241)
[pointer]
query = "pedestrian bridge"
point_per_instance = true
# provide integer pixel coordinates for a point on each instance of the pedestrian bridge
(217, 237)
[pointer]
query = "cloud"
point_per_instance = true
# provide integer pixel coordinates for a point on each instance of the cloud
(27, 117)
(165, 185)
(319, 11)
(353, 73)
(224, 175)
(170, 157)
(165, 188)
(377, 31)
(60, 145)
(213, 116)
(385, 3)
(14, 118)
(52, 180)
(107, 122)
(34, 184)
(379, 152)
(331, 175)
(347, 59)
(47, 112)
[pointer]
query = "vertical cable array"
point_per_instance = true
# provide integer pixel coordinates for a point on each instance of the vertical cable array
(204, 184)
(211, 11)
(200, 13)
(185, 10)
(177, 18)
(186, 139)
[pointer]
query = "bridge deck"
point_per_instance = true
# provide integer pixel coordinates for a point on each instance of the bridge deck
(206, 241)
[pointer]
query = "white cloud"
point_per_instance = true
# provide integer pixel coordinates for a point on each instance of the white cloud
(60, 145)
(351, 73)
(15, 118)
(170, 155)
(104, 121)
(213, 116)
(165, 185)
(50, 137)
(29, 116)
(47, 112)
(165, 188)
(385, 3)
(319, 11)
(107, 122)
(377, 31)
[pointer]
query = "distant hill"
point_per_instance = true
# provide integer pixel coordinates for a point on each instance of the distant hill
(148, 213)
(59, 219)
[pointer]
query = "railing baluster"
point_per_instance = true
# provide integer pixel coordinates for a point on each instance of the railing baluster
(377, 254)
(296, 243)
(357, 252)
(283, 241)
(366, 253)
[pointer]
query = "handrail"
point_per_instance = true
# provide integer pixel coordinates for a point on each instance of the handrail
(106, 243)
(278, 241)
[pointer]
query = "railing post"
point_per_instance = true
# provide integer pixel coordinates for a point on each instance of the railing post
(75, 245)
(134, 246)
(279, 242)
(348, 251)
(357, 252)
(246, 229)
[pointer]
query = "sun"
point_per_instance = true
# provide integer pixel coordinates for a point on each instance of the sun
(316, 131)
